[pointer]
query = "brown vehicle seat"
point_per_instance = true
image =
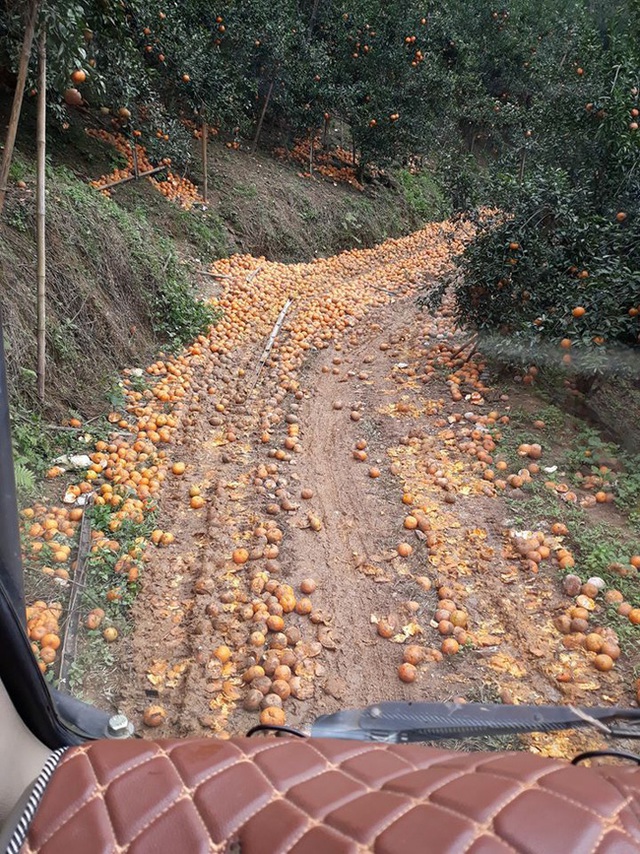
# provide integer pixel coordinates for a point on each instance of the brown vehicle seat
(271, 795)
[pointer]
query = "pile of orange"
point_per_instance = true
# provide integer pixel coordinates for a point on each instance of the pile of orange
(196, 129)
(44, 631)
(176, 188)
(179, 189)
(329, 296)
(124, 474)
(123, 147)
(324, 162)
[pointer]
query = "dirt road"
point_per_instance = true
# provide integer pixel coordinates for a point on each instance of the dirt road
(406, 544)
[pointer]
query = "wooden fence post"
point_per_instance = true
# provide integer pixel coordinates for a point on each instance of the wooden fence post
(16, 107)
(41, 211)
(205, 162)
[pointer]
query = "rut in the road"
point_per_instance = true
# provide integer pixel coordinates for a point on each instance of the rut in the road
(401, 532)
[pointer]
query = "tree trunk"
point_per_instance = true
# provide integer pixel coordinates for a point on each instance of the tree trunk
(134, 154)
(325, 132)
(40, 208)
(523, 162)
(312, 19)
(311, 152)
(12, 130)
(262, 115)
(205, 163)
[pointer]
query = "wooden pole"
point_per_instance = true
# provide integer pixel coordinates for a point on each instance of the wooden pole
(256, 138)
(41, 212)
(523, 161)
(311, 152)
(269, 345)
(312, 19)
(12, 130)
(131, 178)
(134, 154)
(205, 166)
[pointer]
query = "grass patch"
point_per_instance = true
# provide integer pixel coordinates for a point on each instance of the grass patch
(35, 445)
(116, 290)
(423, 195)
(109, 585)
(620, 475)
(246, 191)
(205, 231)
(177, 316)
(540, 505)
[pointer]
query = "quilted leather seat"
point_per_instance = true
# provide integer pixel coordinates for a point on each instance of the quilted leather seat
(271, 795)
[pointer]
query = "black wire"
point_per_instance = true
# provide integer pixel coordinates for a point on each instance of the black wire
(286, 730)
(618, 754)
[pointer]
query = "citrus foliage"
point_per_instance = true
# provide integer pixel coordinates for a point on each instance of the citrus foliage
(563, 264)
(404, 79)
(531, 106)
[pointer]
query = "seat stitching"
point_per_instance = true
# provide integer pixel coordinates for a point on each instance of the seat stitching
(312, 776)
(609, 825)
(340, 768)
(391, 821)
(618, 784)
(569, 800)
(184, 796)
(482, 764)
(103, 790)
(528, 787)
(240, 757)
(580, 804)
(278, 796)
(312, 823)
(97, 792)
(186, 793)
(190, 792)
(137, 764)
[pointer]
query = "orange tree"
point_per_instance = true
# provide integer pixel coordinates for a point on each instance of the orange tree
(228, 63)
(556, 278)
(93, 58)
(387, 83)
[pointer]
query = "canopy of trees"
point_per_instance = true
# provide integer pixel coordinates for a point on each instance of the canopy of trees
(529, 106)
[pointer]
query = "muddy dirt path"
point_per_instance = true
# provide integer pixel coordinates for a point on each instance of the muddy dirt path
(406, 546)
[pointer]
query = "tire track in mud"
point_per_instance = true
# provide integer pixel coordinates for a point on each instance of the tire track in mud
(358, 525)
(199, 612)
(177, 622)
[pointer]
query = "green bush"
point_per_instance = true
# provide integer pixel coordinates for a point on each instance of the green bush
(554, 278)
(423, 195)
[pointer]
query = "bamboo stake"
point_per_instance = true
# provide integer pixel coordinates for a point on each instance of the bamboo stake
(214, 275)
(523, 162)
(269, 344)
(41, 213)
(256, 138)
(205, 167)
(254, 273)
(134, 152)
(12, 130)
(131, 178)
(312, 19)
(70, 640)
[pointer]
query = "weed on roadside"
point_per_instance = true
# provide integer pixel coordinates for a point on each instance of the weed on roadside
(111, 583)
